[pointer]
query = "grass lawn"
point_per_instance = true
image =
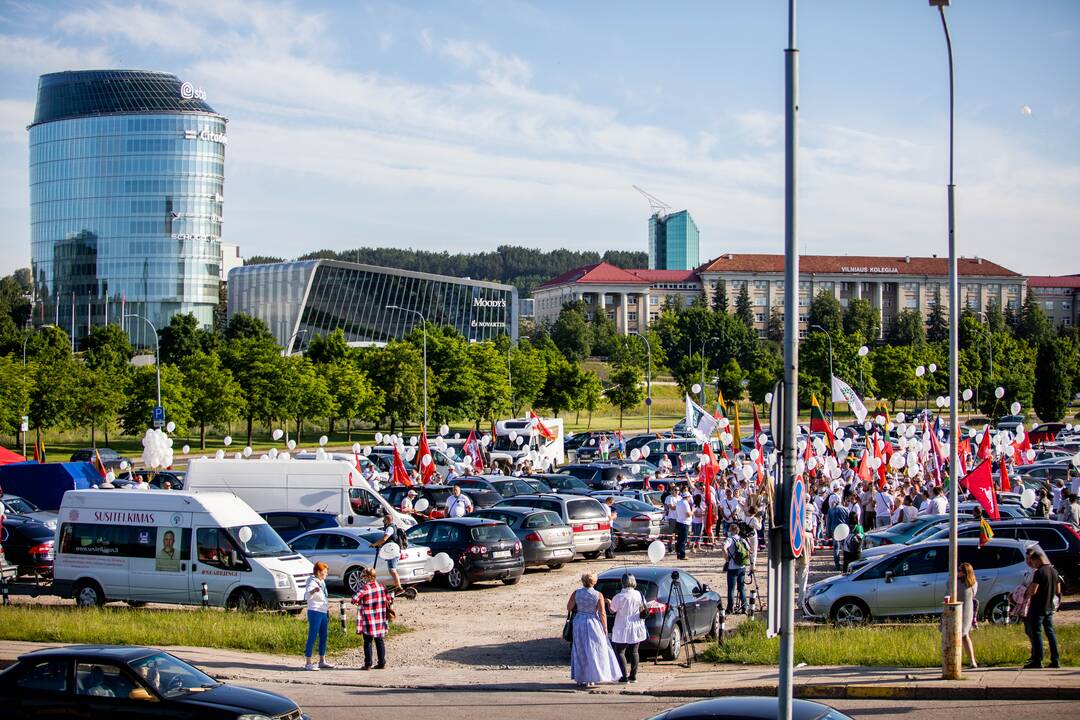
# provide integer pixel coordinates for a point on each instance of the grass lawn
(274, 633)
(915, 645)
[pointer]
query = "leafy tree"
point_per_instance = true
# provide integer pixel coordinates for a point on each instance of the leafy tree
(894, 373)
(182, 338)
(15, 299)
(136, 412)
(561, 386)
(215, 396)
(398, 371)
(730, 380)
(528, 372)
(100, 394)
(908, 329)
(306, 395)
(861, 317)
(14, 391)
(255, 363)
(768, 369)
(825, 311)
(332, 348)
(719, 296)
(1014, 370)
(245, 327)
(48, 345)
(107, 348)
(625, 391)
(492, 392)
(1053, 379)
(605, 336)
(571, 331)
(774, 331)
(686, 371)
(452, 383)
(743, 310)
(995, 318)
(937, 323)
(1034, 325)
(592, 391)
(352, 394)
(53, 391)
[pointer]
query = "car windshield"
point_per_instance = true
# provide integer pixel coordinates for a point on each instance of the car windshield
(264, 541)
(19, 506)
(491, 533)
(170, 676)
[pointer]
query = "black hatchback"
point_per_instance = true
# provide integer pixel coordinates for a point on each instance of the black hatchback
(481, 549)
(100, 681)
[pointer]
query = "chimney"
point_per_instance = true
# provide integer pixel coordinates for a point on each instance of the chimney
(907, 258)
(978, 260)
(729, 256)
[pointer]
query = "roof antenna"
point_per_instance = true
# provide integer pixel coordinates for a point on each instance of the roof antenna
(658, 206)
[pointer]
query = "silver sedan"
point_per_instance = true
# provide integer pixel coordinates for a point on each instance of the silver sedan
(347, 551)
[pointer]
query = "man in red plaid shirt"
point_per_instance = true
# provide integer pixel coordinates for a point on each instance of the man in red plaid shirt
(372, 617)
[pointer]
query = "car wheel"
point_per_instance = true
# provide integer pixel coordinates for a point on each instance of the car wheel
(456, 578)
(714, 628)
(244, 600)
(354, 578)
(997, 612)
(88, 594)
(671, 652)
(556, 566)
(849, 612)
(591, 555)
(511, 580)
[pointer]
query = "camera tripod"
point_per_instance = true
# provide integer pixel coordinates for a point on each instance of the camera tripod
(681, 621)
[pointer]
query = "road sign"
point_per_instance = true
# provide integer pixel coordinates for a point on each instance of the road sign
(797, 516)
(25, 425)
(158, 416)
(648, 401)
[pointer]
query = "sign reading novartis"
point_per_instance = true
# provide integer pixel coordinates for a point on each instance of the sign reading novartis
(484, 302)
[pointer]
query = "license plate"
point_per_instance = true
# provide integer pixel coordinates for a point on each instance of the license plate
(500, 554)
(563, 553)
(591, 526)
(419, 571)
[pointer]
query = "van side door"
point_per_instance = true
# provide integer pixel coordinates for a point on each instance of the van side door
(216, 561)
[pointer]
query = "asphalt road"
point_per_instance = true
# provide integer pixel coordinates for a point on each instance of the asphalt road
(330, 702)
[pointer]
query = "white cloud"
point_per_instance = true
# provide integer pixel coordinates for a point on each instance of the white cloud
(15, 115)
(44, 56)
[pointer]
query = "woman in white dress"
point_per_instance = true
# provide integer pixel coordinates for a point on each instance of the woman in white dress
(592, 660)
(629, 629)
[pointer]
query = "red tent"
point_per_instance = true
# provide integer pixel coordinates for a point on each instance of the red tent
(7, 457)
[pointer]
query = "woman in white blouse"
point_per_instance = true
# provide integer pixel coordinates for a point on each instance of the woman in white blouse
(629, 629)
(318, 616)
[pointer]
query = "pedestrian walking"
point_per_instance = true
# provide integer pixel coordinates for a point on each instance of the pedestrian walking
(697, 526)
(375, 609)
(389, 534)
(854, 541)
(969, 588)
(684, 515)
(318, 617)
(738, 558)
(457, 504)
(883, 508)
(837, 516)
(592, 660)
(1044, 588)
(609, 507)
(629, 629)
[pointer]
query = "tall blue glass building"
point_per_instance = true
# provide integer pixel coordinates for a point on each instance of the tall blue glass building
(673, 242)
(126, 192)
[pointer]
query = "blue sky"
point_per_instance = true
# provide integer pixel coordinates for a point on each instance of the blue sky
(466, 125)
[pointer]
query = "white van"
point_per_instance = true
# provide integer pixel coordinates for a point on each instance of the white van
(331, 486)
(550, 454)
(162, 546)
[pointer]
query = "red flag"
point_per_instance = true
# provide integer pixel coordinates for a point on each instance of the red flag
(983, 453)
(399, 475)
(1006, 486)
(471, 450)
(864, 472)
(1021, 448)
(426, 471)
(879, 453)
(100, 465)
(39, 448)
(760, 462)
(541, 428)
(356, 462)
(980, 484)
(963, 449)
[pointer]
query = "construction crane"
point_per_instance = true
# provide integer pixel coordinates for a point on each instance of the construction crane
(658, 206)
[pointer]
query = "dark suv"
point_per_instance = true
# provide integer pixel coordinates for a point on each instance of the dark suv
(481, 549)
(598, 476)
(502, 484)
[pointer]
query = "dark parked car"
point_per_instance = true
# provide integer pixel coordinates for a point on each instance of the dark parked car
(598, 476)
(505, 486)
(109, 458)
(1010, 423)
(567, 484)
(14, 505)
(435, 495)
(28, 544)
(545, 538)
(537, 483)
(701, 606)
(749, 708)
(288, 524)
(591, 449)
(101, 681)
(481, 549)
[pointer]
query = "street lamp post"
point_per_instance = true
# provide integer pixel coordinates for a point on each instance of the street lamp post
(832, 402)
(952, 610)
(423, 326)
(157, 350)
(704, 344)
(648, 381)
(287, 350)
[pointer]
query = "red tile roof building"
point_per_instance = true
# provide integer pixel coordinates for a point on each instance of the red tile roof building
(1059, 295)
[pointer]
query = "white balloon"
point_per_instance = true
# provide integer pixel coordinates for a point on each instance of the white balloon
(635, 454)
(839, 433)
(389, 551)
(868, 425)
(170, 427)
(378, 438)
(747, 472)
(657, 551)
(1030, 455)
(1025, 110)
(485, 440)
(244, 534)
(220, 454)
(410, 454)
(277, 434)
(284, 456)
(635, 468)
(248, 451)
(876, 462)
(1015, 408)
(768, 398)
(356, 448)
(763, 439)
(999, 392)
(320, 454)
(412, 440)
(291, 444)
(323, 439)
(1027, 498)
(238, 456)
(443, 563)
(695, 388)
(940, 401)
(272, 453)
(110, 476)
(645, 450)
(519, 440)
(513, 436)
(723, 463)
(754, 455)
(967, 394)
(933, 367)
(444, 429)
(421, 505)
(426, 460)
(971, 432)
(185, 450)
(812, 462)
(847, 444)
(227, 441)
(900, 417)
(919, 371)
(841, 532)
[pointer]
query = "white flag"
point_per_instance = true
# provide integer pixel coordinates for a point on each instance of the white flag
(698, 420)
(842, 392)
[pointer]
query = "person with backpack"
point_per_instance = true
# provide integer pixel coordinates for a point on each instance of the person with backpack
(854, 541)
(737, 553)
(837, 516)
(391, 533)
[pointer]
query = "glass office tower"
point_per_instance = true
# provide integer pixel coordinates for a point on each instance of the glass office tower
(302, 299)
(673, 242)
(126, 192)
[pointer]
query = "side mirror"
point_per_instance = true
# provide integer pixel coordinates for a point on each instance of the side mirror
(141, 694)
(888, 576)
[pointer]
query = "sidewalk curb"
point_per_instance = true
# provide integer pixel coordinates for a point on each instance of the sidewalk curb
(826, 691)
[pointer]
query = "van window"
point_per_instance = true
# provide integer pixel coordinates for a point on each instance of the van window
(216, 549)
(264, 541)
(364, 503)
(108, 540)
(585, 510)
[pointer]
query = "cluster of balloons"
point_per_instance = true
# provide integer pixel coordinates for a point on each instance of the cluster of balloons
(157, 449)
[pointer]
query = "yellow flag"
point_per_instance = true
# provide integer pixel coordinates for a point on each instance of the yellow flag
(736, 432)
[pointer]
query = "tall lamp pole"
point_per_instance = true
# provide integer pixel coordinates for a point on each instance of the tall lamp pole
(950, 643)
(648, 381)
(704, 344)
(423, 326)
(863, 352)
(832, 403)
(157, 350)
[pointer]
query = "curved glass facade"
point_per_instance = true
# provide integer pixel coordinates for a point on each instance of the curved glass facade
(126, 193)
(299, 300)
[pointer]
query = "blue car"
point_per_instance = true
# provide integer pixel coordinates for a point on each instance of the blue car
(290, 524)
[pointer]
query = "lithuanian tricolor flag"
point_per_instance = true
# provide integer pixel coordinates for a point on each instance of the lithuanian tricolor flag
(818, 423)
